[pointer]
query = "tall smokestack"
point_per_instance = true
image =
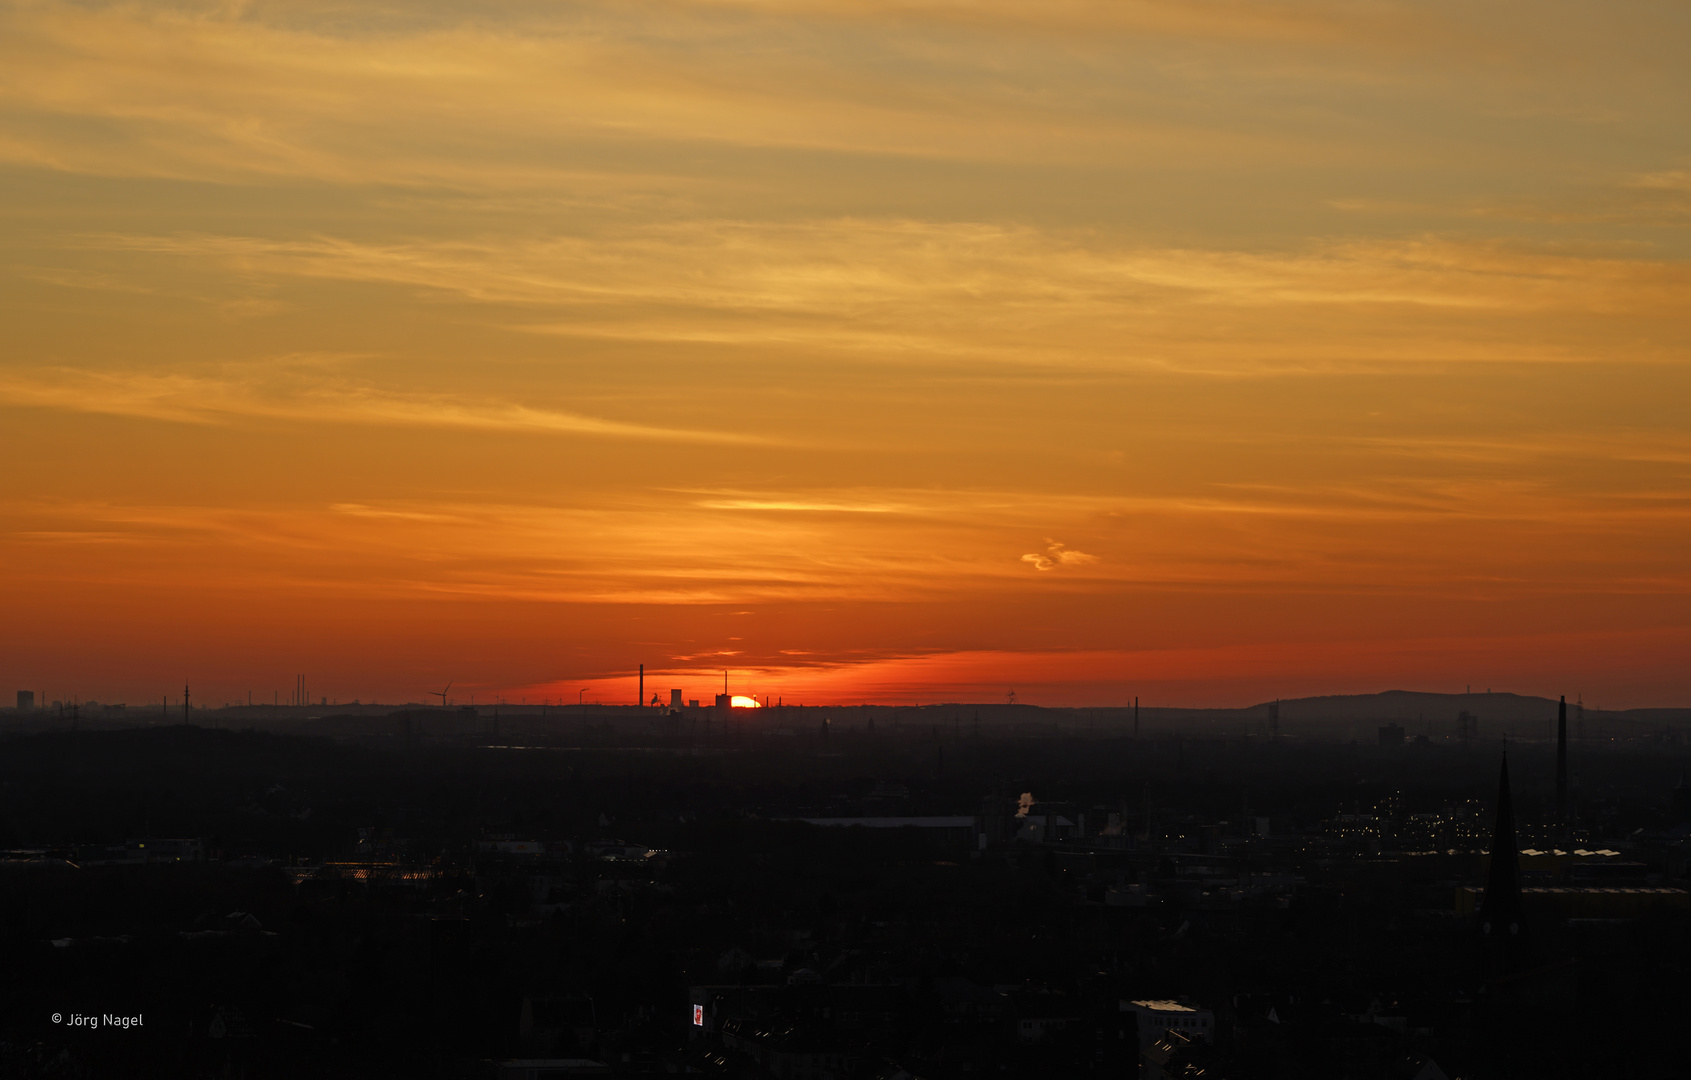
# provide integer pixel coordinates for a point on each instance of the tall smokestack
(1136, 716)
(641, 699)
(1562, 762)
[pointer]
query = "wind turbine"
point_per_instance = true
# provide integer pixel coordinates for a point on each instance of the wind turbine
(441, 694)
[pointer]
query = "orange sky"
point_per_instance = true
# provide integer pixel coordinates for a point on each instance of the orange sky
(871, 350)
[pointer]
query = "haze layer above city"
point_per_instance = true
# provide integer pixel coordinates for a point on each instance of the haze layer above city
(895, 353)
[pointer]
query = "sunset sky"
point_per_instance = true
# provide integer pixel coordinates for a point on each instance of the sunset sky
(870, 350)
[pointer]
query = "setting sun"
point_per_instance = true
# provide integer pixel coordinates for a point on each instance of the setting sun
(742, 702)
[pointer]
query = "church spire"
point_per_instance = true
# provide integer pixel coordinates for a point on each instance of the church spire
(1500, 909)
(1562, 764)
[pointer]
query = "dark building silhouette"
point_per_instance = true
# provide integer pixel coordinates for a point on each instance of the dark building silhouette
(790, 899)
(26, 699)
(1467, 725)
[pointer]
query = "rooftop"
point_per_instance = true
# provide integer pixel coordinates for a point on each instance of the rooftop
(954, 822)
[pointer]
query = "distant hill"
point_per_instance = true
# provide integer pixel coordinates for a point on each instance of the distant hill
(1407, 705)
(1345, 716)
(1423, 713)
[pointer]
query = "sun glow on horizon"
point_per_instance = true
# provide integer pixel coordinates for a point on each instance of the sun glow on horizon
(740, 701)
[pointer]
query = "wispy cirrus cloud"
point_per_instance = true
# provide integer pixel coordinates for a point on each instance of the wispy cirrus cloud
(411, 101)
(306, 393)
(529, 98)
(654, 546)
(953, 292)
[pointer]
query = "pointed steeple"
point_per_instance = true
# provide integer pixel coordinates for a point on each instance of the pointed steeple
(1500, 909)
(1562, 763)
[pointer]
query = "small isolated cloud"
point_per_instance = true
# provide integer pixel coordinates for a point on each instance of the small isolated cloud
(1057, 554)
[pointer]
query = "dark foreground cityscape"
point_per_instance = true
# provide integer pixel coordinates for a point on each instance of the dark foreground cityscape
(1405, 886)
